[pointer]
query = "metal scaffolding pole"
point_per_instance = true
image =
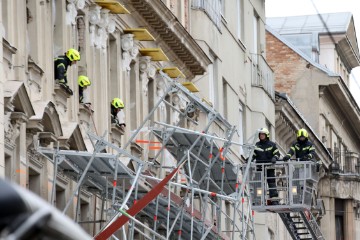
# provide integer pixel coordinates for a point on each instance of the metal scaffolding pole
(98, 147)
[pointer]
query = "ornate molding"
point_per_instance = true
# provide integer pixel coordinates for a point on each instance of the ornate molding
(179, 103)
(129, 50)
(61, 178)
(72, 10)
(35, 158)
(12, 121)
(61, 97)
(35, 74)
(101, 24)
(147, 70)
(8, 52)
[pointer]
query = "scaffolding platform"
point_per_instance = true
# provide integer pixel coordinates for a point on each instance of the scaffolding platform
(73, 164)
(205, 158)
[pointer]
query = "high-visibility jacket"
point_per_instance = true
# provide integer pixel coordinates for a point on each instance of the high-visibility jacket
(303, 150)
(61, 65)
(265, 150)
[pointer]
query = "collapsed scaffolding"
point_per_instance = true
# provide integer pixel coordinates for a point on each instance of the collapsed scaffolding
(208, 199)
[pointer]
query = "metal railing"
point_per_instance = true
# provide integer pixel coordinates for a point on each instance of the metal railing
(347, 163)
(262, 75)
(295, 181)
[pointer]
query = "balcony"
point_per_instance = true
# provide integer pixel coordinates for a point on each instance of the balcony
(346, 164)
(262, 75)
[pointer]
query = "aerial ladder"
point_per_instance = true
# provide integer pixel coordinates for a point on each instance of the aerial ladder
(296, 185)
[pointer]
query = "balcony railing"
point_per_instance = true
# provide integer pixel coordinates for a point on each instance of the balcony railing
(262, 75)
(211, 7)
(347, 163)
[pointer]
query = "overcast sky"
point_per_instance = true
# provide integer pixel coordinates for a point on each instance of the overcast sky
(281, 8)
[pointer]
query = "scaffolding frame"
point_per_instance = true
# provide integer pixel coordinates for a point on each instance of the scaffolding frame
(213, 203)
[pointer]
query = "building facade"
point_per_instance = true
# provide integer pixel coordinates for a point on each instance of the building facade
(313, 69)
(217, 45)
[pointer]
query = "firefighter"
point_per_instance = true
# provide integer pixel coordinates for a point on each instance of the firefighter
(61, 65)
(266, 151)
(83, 82)
(302, 148)
(117, 114)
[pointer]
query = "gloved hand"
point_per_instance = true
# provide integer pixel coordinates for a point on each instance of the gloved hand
(273, 160)
(286, 158)
(309, 156)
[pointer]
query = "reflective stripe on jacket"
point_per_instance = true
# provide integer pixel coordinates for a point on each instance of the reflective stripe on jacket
(61, 65)
(302, 149)
(265, 150)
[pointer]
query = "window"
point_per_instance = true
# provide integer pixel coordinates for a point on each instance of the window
(240, 19)
(114, 86)
(241, 127)
(8, 167)
(151, 97)
(339, 219)
(133, 91)
(6, 17)
(225, 98)
(256, 40)
(213, 70)
(60, 198)
(228, 220)
(222, 2)
(213, 8)
(84, 215)
(268, 126)
(34, 181)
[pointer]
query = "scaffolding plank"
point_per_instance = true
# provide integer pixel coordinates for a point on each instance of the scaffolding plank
(102, 166)
(185, 140)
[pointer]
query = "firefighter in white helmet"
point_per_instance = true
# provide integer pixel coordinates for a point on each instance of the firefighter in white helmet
(266, 151)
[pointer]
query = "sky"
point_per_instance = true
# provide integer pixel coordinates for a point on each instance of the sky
(281, 8)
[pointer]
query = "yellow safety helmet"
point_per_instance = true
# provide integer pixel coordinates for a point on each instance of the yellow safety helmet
(117, 103)
(73, 54)
(302, 132)
(83, 81)
(265, 131)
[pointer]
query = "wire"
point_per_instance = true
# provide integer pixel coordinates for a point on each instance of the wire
(323, 22)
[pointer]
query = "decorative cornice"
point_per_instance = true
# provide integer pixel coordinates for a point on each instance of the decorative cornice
(35, 159)
(62, 178)
(46, 138)
(164, 22)
(17, 99)
(136, 148)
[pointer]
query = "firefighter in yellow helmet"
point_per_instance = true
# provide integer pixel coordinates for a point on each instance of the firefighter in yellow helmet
(303, 149)
(83, 82)
(61, 64)
(117, 112)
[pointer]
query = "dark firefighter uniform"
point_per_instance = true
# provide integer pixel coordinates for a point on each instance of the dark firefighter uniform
(303, 150)
(266, 151)
(61, 65)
